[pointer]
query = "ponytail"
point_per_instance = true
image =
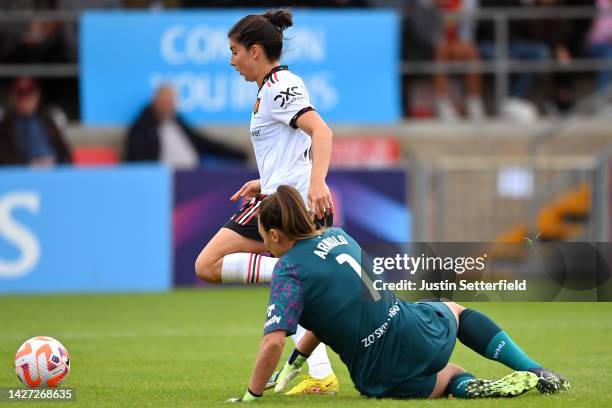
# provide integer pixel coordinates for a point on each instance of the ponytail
(285, 211)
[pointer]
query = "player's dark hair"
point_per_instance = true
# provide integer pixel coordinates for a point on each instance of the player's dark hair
(285, 211)
(264, 29)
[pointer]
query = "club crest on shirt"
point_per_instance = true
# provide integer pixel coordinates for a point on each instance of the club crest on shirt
(256, 107)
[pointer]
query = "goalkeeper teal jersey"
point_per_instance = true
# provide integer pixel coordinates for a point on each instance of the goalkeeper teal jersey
(383, 342)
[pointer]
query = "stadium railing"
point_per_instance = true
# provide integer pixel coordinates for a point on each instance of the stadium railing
(462, 198)
(502, 66)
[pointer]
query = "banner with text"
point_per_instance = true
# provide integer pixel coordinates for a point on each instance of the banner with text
(348, 60)
(85, 230)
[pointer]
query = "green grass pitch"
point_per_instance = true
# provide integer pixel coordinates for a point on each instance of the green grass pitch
(197, 348)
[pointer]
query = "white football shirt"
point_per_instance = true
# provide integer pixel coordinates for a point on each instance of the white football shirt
(282, 150)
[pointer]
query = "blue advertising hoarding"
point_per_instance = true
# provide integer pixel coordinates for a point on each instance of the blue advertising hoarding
(348, 60)
(85, 230)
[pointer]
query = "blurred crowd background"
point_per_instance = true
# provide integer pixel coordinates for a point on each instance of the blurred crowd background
(554, 52)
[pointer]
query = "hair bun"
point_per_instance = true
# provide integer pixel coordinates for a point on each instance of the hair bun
(281, 18)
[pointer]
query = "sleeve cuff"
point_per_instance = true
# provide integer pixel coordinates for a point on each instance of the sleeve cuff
(293, 121)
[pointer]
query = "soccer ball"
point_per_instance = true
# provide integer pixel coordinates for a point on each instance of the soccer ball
(42, 362)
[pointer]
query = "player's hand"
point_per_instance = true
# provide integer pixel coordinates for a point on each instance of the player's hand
(248, 191)
(247, 397)
(320, 199)
(290, 370)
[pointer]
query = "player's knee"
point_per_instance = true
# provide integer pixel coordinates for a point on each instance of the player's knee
(205, 269)
(455, 369)
(456, 308)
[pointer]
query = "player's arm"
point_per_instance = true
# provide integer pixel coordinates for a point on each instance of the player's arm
(269, 355)
(319, 196)
(294, 364)
(284, 311)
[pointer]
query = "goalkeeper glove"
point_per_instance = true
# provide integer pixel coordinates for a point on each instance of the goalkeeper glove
(290, 370)
(247, 397)
(272, 381)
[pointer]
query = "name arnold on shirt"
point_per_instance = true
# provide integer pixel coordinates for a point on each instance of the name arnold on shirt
(329, 243)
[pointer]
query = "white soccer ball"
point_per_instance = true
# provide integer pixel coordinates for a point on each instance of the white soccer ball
(42, 362)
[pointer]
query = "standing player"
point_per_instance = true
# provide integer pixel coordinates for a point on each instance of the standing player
(392, 348)
(292, 146)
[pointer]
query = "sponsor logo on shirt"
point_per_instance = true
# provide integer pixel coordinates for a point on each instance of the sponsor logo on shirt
(271, 309)
(287, 97)
(273, 320)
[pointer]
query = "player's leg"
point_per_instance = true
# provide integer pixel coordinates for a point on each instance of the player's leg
(231, 257)
(446, 377)
(321, 378)
(454, 380)
(232, 254)
(478, 332)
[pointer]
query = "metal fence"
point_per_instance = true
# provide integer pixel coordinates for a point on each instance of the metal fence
(474, 199)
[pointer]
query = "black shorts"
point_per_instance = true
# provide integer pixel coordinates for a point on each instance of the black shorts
(244, 222)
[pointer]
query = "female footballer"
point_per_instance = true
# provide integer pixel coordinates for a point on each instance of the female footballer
(391, 348)
(292, 146)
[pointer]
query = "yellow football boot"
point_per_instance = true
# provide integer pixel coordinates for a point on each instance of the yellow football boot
(321, 386)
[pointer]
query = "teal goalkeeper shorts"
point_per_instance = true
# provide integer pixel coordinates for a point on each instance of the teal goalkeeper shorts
(422, 385)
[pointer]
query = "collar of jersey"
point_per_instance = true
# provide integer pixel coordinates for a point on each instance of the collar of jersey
(269, 74)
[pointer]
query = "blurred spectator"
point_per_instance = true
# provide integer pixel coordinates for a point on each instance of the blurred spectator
(600, 39)
(71, 32)
(532, 39)
(160, 134)
(34, 41)
(457, 44)
(429, 36)
(556, 34)
(28, 135)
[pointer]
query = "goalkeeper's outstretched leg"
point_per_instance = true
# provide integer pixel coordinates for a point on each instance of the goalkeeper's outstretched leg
(455, 381)
(478, 332)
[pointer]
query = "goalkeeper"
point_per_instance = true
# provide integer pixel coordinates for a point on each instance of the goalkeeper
(392, 348)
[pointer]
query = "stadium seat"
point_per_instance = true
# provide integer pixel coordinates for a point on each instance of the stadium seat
(94, 156)
(563, 218)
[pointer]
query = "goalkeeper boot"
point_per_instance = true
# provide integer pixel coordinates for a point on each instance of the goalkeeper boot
(322, 386)
(549, 382)
(513, 384)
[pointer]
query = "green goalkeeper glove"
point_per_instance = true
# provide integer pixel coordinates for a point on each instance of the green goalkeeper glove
(290, 370)
(272, 381)
(247, 397)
